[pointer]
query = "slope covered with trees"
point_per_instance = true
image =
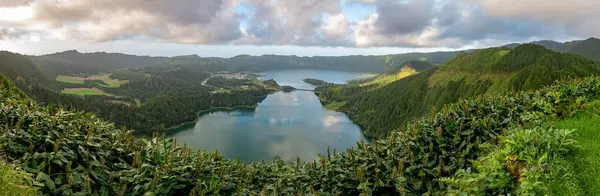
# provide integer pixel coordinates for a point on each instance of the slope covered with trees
(373, 64)
(171, 95)
(73, 153)
(589, 48)
(481, 72)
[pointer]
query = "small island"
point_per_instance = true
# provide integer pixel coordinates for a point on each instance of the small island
(315, 82)
(271, 84)
(287, 88)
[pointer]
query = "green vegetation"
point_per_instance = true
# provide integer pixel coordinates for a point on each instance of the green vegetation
(70, 79)
(286, 88)
(14, 181)
(171, 94)
(390, 77)
(578, 173)
(83, 91)
(519, 165)
(315, 82)
(105, 80)
(335, 105)
(589, 48)
(77, 153)
(370, 64)
(478, 139)
(484, 72)
(110, 83)
(271, 84)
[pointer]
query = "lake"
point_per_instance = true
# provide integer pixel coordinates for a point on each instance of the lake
(284, 124)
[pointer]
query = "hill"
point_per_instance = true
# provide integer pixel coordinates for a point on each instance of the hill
(373, 64)
(552, 45)
(479, 73)
(589, 48)
(23, 70)
(75, 63)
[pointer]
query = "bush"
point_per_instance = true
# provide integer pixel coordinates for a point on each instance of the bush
(13, 181)
(524, 156)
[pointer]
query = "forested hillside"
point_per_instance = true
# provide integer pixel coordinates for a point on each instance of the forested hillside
(146, 99)
(75, 63)
(73, 153)
(589, 48)
(481, 72)
(373, 64)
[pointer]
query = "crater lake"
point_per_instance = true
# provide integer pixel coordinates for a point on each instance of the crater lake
(285, 124)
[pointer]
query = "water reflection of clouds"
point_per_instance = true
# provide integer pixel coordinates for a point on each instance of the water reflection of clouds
(330, 120)
(284, 124)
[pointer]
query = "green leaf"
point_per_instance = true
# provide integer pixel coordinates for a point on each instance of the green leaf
(45, 179)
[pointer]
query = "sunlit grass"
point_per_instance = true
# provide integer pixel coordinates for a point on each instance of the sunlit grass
(110, 83)
(387, 78)
(84, 91)
(70, 79)
(579, 174)
(335, 105)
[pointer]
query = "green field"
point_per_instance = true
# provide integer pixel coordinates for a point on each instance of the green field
(70, 79)
(335, 105)
(113, 83)
(579, 174)
(83, 91)
(110, 83)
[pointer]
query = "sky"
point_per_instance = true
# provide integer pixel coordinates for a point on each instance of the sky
(226, 28)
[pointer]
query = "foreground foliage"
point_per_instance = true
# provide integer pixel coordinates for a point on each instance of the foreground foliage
(13, 181)
(525, 157)
(578, 173)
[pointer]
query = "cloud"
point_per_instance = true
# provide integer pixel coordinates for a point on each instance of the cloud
(13, 34)
(396, 23)
(405, 24)
(456, 23)
(14, 3)
(297, 23)
(573, 16)
(185, 21)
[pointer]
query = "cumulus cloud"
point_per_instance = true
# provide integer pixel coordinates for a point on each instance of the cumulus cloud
(186, 21)
(455, 23)
(298, 23)
(400, 23)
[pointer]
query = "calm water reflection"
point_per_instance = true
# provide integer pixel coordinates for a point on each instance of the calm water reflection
(284, 124)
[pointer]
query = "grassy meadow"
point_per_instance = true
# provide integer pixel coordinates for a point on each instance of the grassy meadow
(84, 91)
(579, 173)
(110, 83)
